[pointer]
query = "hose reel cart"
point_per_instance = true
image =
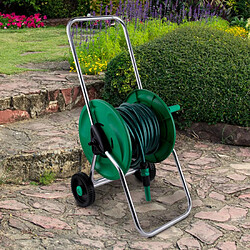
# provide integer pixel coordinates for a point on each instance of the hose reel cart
(126, 140)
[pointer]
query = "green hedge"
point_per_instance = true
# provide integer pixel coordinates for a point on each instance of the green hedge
(50, 8)
(203, 69)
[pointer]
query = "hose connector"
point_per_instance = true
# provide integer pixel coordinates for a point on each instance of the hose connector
(146, 180)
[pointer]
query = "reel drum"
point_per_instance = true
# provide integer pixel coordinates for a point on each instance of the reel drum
(165, 119)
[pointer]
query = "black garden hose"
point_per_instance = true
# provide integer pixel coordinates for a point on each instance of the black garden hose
(144, 131)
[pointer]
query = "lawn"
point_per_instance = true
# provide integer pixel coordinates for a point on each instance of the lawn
(18, 47)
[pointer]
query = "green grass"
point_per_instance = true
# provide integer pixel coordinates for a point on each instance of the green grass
(47, 178)
(15, 46)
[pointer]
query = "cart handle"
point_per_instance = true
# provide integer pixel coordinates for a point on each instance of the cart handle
(78, 68)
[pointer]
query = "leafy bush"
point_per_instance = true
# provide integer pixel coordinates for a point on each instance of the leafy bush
(50, 8)
(238, 22)
(65, 8)
(104, 7)
(27, 7)
(203, 69)
(239, 8)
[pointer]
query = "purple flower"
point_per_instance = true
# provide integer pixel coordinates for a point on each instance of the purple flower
(111, 7)
(195, 15)
(183, 12)
(190, 12)
(120, 8)
(101, 9)
(160, 11)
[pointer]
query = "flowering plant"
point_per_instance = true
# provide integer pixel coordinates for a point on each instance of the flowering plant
(13, 21)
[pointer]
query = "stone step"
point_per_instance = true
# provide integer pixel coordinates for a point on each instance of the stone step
(50, 143)
(32, 94)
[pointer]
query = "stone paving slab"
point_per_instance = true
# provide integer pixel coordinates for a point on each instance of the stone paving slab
(46, 217)
(35, 93)
(31, 147)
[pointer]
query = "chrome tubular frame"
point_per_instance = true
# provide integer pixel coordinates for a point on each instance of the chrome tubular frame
(77, 64)
(103, 181)
(131, 204)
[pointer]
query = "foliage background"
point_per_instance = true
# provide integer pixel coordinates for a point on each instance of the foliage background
(70, 8)
(203, 69)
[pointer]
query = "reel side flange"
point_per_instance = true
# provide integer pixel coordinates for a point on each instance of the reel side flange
(116, 132)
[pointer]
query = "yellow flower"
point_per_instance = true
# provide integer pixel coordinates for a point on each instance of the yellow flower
(237, 31)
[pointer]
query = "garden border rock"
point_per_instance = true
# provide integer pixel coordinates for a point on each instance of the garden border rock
(220, 133)
(56, 21)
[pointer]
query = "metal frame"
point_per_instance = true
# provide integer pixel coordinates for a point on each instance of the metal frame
(103, 181)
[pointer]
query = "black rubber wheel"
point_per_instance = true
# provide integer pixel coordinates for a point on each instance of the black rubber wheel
(82, 189)
(152, 172)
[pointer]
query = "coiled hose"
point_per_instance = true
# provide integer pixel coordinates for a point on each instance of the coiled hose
(144, 131)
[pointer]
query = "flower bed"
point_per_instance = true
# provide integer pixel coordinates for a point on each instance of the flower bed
(13, 21)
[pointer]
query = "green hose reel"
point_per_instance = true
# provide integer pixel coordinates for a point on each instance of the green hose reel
(117, 133)
(123, 141)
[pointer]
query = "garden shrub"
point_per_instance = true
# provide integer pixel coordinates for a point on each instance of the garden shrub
(104, 7)
(239, 8)
(50, 8)
(65, 8)
(203, 69)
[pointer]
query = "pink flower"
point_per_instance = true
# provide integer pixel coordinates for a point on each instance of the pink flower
(5, 28)
(17, 21)
(44, 17)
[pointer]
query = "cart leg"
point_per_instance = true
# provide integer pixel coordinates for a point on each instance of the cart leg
(131, 204)
(92, 169)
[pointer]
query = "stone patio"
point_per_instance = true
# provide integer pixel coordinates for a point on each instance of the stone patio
(46, 217)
